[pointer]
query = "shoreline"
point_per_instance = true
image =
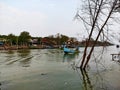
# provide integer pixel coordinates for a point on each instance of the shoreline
(16, 47)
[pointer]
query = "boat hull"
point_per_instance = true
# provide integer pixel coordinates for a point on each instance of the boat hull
(69, 51)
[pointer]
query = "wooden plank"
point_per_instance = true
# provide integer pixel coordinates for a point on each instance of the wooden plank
(115, 56)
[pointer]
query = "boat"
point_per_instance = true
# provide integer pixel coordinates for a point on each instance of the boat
(70, 51)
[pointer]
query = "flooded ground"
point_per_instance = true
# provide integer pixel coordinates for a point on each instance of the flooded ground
(50, 69)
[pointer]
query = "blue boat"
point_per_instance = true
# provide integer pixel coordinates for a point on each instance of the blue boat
(69, 51)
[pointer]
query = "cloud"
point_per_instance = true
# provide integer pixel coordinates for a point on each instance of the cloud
(13, 20)
(55, 19)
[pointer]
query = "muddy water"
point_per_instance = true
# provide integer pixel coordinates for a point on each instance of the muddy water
(50, 69)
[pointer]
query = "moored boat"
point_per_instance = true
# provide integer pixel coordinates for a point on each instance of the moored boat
(70, 51)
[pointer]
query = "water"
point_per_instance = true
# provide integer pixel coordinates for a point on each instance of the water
(50, 69)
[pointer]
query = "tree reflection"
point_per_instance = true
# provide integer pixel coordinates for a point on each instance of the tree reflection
(23, 53)
(69, 57)
(0, 86)
(25, 57)
(8, 56)
(10, 52)
(86, 80)
(95, 81)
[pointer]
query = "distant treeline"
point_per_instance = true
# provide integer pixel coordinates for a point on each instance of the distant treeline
(26, 39)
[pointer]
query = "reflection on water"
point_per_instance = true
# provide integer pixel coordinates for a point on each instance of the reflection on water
(86, 81)
(69, 57)
(22, 57)
(50, 69)
(0, 86)
(96, 81)
(23, 53)
(25, 57)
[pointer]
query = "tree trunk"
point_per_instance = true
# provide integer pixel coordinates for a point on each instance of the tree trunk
(110, 13)
(90, 35)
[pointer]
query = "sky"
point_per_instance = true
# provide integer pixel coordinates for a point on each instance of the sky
(40, 17)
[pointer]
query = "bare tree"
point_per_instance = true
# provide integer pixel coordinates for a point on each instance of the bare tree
(97, 16)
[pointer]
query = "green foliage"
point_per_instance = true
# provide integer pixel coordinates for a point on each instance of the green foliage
(12, 39)
(63, 39)
(3, 36)
(24, 38)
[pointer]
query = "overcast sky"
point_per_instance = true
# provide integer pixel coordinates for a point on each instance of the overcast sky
(39, 17)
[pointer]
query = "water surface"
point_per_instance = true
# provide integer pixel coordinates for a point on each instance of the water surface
(50, 69)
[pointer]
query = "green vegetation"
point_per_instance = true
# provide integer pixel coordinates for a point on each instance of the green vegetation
(12, 39)
(25, 39)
